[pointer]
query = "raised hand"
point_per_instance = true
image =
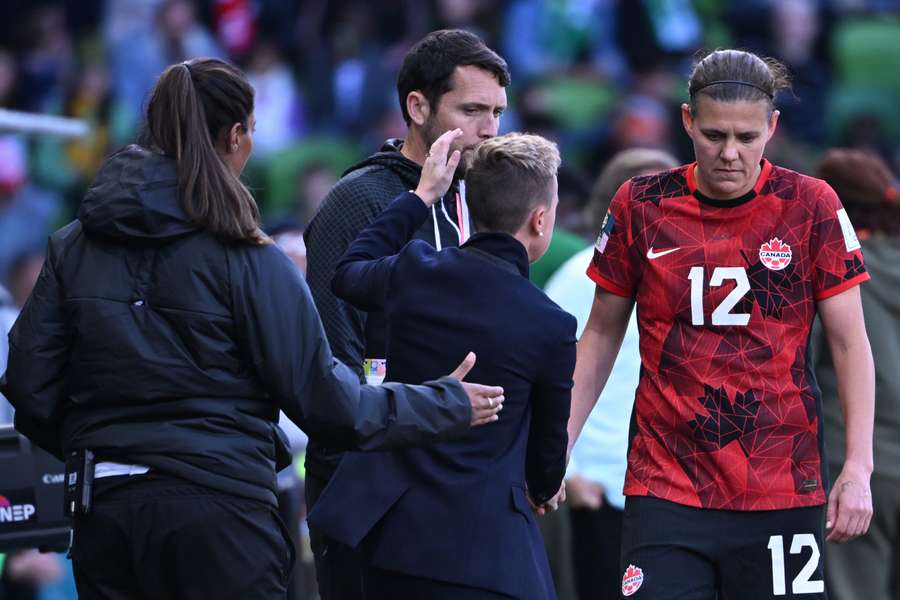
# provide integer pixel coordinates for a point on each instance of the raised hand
(487, 400)
(438, 170)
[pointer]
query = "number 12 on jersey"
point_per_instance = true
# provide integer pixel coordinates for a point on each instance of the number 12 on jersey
(722, 314)
(802, 584)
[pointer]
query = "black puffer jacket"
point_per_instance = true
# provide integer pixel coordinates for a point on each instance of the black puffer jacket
(150, 341)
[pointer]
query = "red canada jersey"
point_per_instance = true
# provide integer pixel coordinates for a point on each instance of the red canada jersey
(727, 413)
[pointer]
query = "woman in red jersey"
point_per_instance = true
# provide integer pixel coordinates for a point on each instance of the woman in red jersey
(729, 259)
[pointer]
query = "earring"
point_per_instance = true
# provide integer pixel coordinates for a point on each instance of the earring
(541, 233)
(234, 148)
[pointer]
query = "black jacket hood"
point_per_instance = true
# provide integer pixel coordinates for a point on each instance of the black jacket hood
(135, 198)
(390, 157)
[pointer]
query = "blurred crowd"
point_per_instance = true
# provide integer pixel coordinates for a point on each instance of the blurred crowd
(595, 76)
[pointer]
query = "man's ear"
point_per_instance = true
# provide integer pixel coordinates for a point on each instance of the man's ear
(687, 118)
(418, 108)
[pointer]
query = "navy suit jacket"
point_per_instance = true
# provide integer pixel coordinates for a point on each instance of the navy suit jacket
(457, 511)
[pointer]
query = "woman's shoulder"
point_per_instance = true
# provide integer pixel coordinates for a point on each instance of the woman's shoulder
(671, 183)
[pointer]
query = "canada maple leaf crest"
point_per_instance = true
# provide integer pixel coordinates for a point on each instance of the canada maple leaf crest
(632, 580)
(776, 255)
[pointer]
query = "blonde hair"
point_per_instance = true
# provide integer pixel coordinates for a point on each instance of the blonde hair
(507, 176)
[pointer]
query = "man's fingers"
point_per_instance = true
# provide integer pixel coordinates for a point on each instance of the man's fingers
(441, 146)
(454, 161)
(464, 367)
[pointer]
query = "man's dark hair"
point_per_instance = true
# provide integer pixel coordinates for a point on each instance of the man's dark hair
(429, 66)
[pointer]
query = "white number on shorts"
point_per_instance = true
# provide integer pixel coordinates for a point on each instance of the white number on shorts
(722, 314)
(801, 583)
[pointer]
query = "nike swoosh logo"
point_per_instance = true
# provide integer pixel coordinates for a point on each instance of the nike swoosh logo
(651, 254)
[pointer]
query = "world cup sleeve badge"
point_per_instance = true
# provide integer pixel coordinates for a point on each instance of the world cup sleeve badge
(606, 230)
(375, 370)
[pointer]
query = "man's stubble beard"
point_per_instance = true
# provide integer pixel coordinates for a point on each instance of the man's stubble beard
(431, 132)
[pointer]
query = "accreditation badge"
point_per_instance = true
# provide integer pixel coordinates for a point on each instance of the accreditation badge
(375, 370)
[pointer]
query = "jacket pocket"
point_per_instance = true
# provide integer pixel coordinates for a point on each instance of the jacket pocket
(520, 504)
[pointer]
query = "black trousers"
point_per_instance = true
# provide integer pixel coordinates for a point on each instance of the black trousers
(153, 536)
(339, 568)
(676, 552)
(597, 546)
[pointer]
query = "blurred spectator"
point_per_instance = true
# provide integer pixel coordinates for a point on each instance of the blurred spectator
(481, 17)
(27, 212)
(289, 237)
(352, 50)
(144, 47)
(867, 568)
(313, 184)
(797, 29)
(7, 79)
(235, 25)
(655, 32)
(67, 165)
(49, 60)
(642, 121)
(279, 107)
(541, 37)
(596, 473)
(24, 272)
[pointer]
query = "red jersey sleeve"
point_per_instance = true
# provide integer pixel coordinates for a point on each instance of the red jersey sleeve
(612, 268)
(837, 258)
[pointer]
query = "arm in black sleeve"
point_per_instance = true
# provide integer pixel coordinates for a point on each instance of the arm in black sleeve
(284, 339)
(38, 361)
(545, 463)
(343, 214)
(362, 275)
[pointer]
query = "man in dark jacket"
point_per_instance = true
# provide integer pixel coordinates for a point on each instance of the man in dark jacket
(449, 80)
(453, 520)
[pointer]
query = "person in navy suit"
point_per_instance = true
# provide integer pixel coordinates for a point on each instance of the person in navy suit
(456, 520)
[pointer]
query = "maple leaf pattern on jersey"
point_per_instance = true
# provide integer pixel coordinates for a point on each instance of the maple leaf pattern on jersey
(657, 187)
(782, 183)
(771, 290)
(727, 421)
(855, 267)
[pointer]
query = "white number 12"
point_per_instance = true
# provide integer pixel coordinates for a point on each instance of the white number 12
(801, 583)
(722, 314)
